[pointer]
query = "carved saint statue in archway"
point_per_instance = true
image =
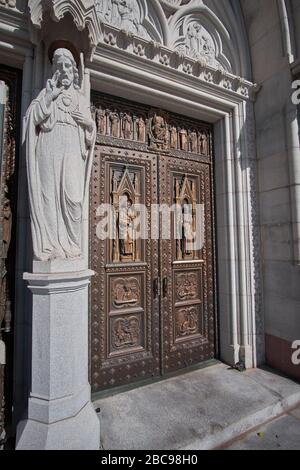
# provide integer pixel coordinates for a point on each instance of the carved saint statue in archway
(60, 137)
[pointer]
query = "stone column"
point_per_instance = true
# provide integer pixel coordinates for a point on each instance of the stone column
(60, 412)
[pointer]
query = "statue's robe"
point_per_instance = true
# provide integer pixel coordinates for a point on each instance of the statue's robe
(58, 156)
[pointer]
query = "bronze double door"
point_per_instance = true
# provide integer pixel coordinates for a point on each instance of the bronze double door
(152, 297)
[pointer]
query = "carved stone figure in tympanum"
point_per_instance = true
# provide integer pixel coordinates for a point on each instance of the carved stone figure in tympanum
(60, 136)
(127, 126)
(101, 121)
(123, 14)
(199, 44)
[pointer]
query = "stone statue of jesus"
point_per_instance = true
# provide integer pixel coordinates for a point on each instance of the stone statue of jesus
(60, 137)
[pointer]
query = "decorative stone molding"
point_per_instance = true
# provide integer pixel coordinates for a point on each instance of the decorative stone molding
(8, 3)
(177, 60)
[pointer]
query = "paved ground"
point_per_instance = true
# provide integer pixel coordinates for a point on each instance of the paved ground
(282, 433)
(203, 409)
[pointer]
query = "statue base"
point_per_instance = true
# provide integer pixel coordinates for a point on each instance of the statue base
(80, 432)
(60, 413)
(59, 266)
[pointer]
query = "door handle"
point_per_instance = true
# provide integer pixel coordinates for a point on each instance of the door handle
(165, 286)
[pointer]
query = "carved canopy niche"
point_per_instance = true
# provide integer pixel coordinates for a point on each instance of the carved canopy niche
(83, 13)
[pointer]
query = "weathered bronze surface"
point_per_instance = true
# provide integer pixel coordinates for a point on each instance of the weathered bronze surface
(152, 301)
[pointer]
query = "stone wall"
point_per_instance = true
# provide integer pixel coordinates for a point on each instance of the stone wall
(281, 275)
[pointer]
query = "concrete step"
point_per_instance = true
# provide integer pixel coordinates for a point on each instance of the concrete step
(202, 409)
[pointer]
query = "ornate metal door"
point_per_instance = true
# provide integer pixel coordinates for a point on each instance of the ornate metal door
(152, 297)
(124, 311)
(187, 267)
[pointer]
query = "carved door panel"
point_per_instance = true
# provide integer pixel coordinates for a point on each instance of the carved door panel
(187, 298)
(124, 311)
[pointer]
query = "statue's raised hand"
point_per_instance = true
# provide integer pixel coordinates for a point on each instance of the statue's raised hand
(52, 89)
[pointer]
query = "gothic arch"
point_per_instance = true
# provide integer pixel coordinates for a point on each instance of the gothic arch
(222, 28)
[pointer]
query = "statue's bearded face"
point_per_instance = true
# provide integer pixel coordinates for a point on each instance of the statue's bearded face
(66, 71)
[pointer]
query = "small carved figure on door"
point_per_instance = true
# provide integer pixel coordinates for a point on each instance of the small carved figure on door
(183, 139)
(174, 137)
(126, 227)
(101, 121)
(194, 141)
(127, 126)
(203, 143)
(188, 232)
(115, 123)
(140, 124)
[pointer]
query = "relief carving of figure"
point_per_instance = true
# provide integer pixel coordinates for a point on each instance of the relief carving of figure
(187, 322)
(198, 44)
(159, 127)
(140, 124)
(159, 131)
(194, 38)
(126, 226)
(127, 126)
(203, 143)
(194, 141)
(126, 332)
(123, 14)
(183, 139)
(188, 232)
(101, 121)
(114, 122)
(60, 136)
(173, 132)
